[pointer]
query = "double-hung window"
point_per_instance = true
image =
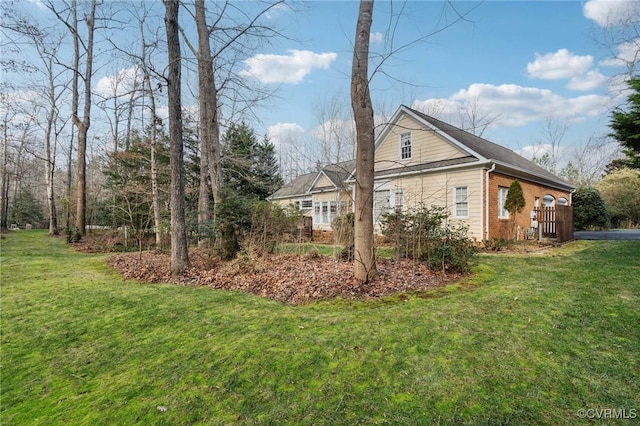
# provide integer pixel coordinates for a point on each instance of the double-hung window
(502, 198)
(405, 146)
(461, 202)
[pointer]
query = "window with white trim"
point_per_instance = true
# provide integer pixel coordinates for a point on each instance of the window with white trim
(324, 212)
(307, 204)
(399, 200)
(502, 198)
(317, 206)
(461, 202)
(405, 146)
(381, 204)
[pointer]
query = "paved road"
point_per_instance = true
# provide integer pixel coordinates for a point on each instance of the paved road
(613, 234)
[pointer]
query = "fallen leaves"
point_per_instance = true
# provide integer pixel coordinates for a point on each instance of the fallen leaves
(291, 279)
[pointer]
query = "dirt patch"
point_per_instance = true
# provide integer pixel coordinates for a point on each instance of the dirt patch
(291, 279)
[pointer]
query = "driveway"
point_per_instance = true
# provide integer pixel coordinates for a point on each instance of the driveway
(612, 234)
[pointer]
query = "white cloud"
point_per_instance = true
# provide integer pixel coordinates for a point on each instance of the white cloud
(376, 38)
(565, 65)
(120, 84)
(608, 13)
(277, 10)
(558, 65)
(292, 68)
(588, 81)
(627, 53)
(333, 129)
(539, 150)
(281, 134)
(514, 105)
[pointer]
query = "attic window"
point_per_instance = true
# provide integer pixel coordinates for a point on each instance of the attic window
(405, 146)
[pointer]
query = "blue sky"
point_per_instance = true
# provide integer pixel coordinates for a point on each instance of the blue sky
(520, 65)
(528, 63)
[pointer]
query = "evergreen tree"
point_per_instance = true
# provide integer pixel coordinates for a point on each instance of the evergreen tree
(589, 210)
(515, 199)
(626, 126)
(514, 203)
(128, 179)
(249, 168)
(26, 209)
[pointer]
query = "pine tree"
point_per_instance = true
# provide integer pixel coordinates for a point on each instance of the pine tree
(515, 199)
(249, 168)
(514, 203)
(626, 126)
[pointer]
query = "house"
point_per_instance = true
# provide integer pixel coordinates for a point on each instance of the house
(422, 161)
(322, 195)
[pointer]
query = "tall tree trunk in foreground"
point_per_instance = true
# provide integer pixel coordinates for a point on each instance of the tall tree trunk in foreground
(83, 125)
(50, 151)
(210, 131)
(364, 258)
(179, 253)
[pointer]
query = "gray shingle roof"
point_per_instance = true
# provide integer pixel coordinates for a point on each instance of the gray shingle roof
(490, 150)
(297, 187)
(427, 166)
(340, 172)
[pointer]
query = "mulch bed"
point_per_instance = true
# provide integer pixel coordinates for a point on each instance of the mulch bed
(291, 279)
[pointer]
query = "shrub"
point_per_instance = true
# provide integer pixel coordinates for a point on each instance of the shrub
(269, 224)
(424, 234)
(250, 225)
(589, 210)
(344, 233)
(233, 221)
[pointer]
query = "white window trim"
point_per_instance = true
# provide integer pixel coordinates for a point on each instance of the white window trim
(455, 202)
(410, 145)
(502, 212)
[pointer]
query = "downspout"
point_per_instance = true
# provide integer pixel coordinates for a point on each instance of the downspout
(486, 192)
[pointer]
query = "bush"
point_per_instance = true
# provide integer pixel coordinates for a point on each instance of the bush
(233, 221)
(425, 235)
(269, 224)
(589, 210)
(250, 225)
(344, 231)
(73, 235)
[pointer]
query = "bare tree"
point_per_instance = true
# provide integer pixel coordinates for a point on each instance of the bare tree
(82, 125)
(209, 126)
(179, 253)
(335, 130)
(473, 120)
(364, 256)
(47, 45)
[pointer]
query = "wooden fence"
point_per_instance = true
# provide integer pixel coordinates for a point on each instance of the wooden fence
(555, 222)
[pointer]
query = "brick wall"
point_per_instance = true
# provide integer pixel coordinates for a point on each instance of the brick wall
(502, 228)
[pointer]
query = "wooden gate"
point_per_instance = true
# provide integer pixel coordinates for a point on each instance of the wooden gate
(555, 222)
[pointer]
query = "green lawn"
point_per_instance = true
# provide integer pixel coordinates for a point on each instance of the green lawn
(535, 339)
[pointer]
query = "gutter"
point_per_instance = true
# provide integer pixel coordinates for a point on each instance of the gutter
(493, 167)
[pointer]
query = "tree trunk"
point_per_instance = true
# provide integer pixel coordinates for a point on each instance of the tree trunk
(155, 193)
(4, 177)
(155, 121)
(364, 258)
(82, 126)
(49, 155)
(179, 252)
(208, 101)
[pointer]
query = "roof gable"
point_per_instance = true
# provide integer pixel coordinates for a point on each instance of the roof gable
(487, 150)
(298, 187)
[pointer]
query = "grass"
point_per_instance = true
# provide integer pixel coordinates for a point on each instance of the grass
(537, 338)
